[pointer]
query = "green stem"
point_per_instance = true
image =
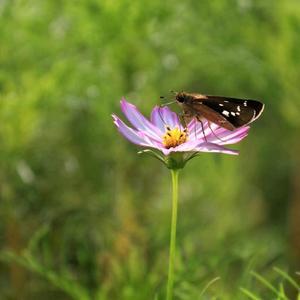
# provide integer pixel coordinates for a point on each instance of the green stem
(174, 174)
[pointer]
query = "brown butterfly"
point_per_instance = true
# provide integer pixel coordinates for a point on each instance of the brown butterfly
(227, 112)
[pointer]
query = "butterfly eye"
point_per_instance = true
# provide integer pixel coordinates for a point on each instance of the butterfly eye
(180, 98)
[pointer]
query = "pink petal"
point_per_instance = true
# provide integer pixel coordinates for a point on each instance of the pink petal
(186, 147)
(166, 151)
(216, 134)
(229, 137)
(236, 139)
(195, 130)
(156, 118)
(194, 123)
(195, 146)
(131, 134)
(163, 116)
(210, 147)
(139, 121)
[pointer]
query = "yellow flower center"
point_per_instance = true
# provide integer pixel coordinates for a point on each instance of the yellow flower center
(174, 137)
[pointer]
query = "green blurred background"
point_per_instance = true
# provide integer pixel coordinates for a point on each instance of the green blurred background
(82, 216)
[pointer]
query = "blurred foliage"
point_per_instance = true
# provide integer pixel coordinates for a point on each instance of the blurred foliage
(82, 216)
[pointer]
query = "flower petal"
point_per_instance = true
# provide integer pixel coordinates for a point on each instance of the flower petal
(194, 146)
(215, 134)
(157, 120)
(229, 137)
(210, 147)
(166, 151)
(187, 146)
(163, 116)
(131, 134)
(196, 132)
(139, 121)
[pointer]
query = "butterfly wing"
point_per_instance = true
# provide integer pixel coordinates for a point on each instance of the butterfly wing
(229, 113)
(200, 110)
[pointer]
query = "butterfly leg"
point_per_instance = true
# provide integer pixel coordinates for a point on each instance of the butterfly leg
(202, 127)
(167, 127)
(182, 120)
(214, 132)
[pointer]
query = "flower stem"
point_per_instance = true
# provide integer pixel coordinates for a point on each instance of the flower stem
(174, 173)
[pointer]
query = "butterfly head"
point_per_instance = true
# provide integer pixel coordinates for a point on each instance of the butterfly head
(180, 97)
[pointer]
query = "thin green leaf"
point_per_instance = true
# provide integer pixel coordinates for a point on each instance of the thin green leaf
(249, 294)
(153, 154)
(68, 285)
(287, 277)
(209, 284)
(268, 285)
(281, 292)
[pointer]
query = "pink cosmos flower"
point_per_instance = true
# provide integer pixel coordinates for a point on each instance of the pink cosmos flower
(165, 133)
(174, 144)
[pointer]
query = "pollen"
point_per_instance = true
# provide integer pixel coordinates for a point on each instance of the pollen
(174, 137)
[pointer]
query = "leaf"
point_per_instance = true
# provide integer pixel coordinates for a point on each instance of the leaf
(267, 284)
(250, 294)
(287, 277)
(209, 284)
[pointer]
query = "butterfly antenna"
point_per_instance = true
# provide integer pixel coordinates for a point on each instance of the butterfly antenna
(168, 103)
(162, 119)
(214, 132)
(163, 105)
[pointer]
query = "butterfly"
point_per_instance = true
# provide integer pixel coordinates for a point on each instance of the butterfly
(227, 112)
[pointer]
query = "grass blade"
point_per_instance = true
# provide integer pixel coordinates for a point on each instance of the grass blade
(267, 284)
(250, 294)
(209, 284)
(288, 278)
